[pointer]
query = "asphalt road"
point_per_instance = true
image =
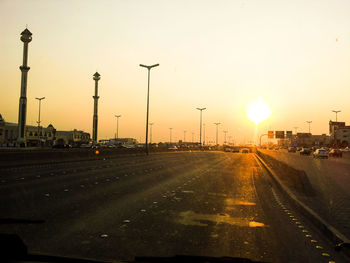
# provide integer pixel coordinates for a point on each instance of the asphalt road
(192, 203)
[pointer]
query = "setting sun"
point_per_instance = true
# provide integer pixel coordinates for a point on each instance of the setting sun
(258, 111)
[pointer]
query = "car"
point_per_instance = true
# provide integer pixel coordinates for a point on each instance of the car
(320, 153)
(346, 149)
(227, 149)
(277, 148)
(173, 148)
(235, 150)
(245, 150)
(305, 151)
(292, 149)
(335, 153)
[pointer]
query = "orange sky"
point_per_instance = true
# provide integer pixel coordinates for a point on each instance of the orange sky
(295, 55)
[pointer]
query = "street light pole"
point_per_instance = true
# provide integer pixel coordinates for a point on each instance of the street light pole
(336, 114)
(203, 133)
(150, 137)
(149, 69)
(225, 132)
(296, 129)
(117, 116)
(200, 128)
(309, 122)
(39, 99)
(192, 136)
(217, 135)
(184, 136)
(170, 129)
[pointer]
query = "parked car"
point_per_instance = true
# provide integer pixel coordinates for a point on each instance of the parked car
(305, 151)
(235, 150)
(320, 153)
(245, 150)
(292, 149)
(299, 149)
(335, 153)
(346, 149)
(277, 148)
(227, 149)
(173, 148)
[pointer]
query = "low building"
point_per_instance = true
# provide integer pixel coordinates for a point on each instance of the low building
(74, 137)
(307, 140)
(339, 133)
(35, 136)
(40, 136)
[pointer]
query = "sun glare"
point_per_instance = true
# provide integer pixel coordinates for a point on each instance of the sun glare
(258, 111)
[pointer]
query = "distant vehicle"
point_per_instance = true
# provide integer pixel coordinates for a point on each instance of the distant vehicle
(235, 150)
(299, 149)
(172, 148)
(129, 146)
(245, 150)
(270, 148)
(335, 153)
(305, 151)
(347, 149)
(227, 149)
(85, 146)
(320, 153)
(277, 148)
(292, 149)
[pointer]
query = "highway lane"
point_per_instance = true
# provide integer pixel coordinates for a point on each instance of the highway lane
(199, 203)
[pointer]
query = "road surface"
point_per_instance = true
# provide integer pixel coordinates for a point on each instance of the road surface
(190, 203)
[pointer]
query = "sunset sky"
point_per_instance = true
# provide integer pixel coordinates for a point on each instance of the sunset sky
(221, 55)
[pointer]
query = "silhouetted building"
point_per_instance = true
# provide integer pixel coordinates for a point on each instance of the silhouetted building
(339, 133)
(33, 137)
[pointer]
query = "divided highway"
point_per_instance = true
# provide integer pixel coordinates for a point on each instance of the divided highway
(192, 203)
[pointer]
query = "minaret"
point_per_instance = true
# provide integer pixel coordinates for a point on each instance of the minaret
(26, 37)
(96, 97)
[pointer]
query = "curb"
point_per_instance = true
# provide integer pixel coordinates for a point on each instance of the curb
(331, 232)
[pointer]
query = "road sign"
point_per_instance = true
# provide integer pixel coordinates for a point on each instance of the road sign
(270, 134)
(289, 134)
(279, 134)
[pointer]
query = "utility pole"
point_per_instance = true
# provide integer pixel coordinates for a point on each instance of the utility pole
(39, 99)
(192, 136)
(217, 133)
(149, 70)
(184, 136)
(26, 37)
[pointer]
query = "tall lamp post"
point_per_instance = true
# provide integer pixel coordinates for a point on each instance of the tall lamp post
(170, 130)
(39, 99)
(117, 116)
(200, 128)
(203, 133)
(336, 114)
(184, 136)
(150, 135)
(225, 132)
(217, 132)
(309, 122)
(149, 70)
